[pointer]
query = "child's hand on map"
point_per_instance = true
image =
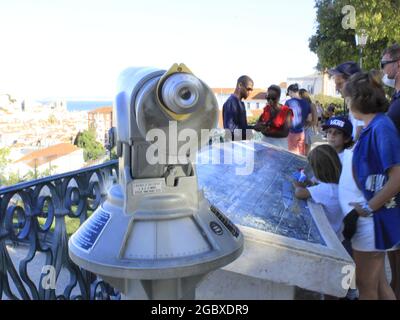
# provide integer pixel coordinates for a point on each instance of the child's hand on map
(297, 184)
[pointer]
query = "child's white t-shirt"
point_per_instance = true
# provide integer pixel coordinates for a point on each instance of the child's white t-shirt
(327, 195)
(341, 156)
(356, 123)
(348, 189)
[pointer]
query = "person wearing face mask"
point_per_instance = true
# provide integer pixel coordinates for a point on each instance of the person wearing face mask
(275, 121)
(390, 64)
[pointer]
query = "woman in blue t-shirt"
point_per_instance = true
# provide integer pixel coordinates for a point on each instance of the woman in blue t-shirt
(376, 169)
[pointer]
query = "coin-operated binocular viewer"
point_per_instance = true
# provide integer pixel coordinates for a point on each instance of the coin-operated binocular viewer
(155, 225)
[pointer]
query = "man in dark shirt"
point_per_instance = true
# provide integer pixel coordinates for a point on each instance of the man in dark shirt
(301, 117)
(390, 65)
(234, 110)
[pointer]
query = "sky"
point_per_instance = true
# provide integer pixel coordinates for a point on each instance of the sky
(77, 48)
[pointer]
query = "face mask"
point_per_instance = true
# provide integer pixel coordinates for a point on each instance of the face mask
(391, 83)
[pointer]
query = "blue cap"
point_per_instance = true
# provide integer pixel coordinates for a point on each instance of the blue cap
(341, 123)
(347, 68)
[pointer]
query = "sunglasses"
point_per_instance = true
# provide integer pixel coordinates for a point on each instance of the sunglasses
(271, 98)
(384, 63)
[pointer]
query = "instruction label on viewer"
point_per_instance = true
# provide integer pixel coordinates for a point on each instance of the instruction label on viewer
(88, 234)
(147, 187)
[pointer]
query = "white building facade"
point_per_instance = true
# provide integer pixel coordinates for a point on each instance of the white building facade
(317, 83)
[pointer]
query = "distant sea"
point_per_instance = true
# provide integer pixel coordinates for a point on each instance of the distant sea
(87, 105)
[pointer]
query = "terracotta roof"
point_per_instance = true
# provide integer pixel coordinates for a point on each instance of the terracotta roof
(101, 110)
(257, 94)
(42, 156)
(223, 90)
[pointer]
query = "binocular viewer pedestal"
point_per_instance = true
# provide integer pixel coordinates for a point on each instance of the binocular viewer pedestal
(169, 241)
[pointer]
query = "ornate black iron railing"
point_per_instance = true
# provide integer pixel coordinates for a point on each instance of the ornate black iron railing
(35, 219)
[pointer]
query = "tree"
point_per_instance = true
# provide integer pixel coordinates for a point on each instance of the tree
(113, 154)
(92, 149)
(13, 178)
(334, 44)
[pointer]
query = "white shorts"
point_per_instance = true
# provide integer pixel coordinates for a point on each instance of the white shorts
(364, 238)
(308, 134)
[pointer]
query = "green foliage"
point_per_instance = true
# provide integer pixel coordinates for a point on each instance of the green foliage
(333, 44)
(4, 153)
(4, 161)
(325, 101)
(14, 178)
(252, 120)
(71, 224)
(39, 174)
(92, 149)
(113, 154)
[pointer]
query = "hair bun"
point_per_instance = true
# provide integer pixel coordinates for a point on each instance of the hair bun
(375, 78)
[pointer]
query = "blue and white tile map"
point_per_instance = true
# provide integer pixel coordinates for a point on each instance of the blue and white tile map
(263, 199)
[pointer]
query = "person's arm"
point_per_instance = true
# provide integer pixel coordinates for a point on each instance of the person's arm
(391, 189)
(308, 121)
(284, 132)
(279, 134)
(300, 192)
(314, 116)
(241, 116)
(394, 113)
(260, 125)
(230, 116)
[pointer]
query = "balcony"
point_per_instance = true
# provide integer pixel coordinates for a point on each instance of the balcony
(36, 219)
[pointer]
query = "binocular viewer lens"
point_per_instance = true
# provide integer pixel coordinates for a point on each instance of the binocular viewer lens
(185, 94)
(181, 92)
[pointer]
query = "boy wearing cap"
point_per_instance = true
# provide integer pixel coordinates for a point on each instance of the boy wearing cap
(339, 134)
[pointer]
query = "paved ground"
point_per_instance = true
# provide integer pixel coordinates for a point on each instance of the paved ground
(35, 269)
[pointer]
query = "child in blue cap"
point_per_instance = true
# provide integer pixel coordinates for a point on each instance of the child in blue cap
(339, 131)
(339, 134)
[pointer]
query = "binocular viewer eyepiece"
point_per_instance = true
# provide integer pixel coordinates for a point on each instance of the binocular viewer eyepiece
(181, 93)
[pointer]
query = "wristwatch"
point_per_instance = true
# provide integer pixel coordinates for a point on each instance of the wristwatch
(367, 209)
